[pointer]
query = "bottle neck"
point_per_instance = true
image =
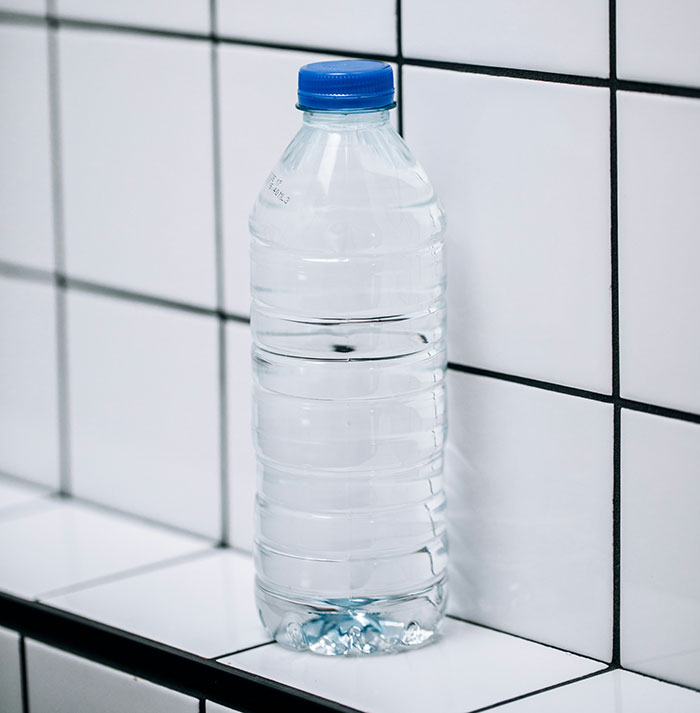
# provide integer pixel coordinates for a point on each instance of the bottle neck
(337, 121)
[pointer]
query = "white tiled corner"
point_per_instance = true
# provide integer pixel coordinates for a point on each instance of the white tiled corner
(467, 668)
(28, 381)
(136, 124)
(205, 606)
(522, 168)
(14, 495)
(362, 26)
(241, 454)
(529, 487)
(657, 41)
(32, 7)
(660, 544)
(62, 544)
(613, 692)
(546, 35)
(59, 681)
(10, 672)
(659, 251)
(26, 235)
(144, 410)
(185, 15)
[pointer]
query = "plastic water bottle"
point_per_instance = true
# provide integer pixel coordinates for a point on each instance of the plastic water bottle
(348, 321)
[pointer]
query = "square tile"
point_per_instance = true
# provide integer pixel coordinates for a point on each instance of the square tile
(659, 212)
(660, 547)
(31, 7)
(362, 26)
(522, 168)
(547, 35)
(252, 142)
(187, 15)
(137, 166)
(144, 410)
(613, 692)
(529, 493)
(468, 668)
(657, 41)
(63, 544)
(28, 381)
(10, 672)
(204, 606)
(26, 227)
(15, 495)
(93, 687)
(241, 454)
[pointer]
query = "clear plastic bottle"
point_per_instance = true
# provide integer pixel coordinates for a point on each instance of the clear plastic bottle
(348, 321)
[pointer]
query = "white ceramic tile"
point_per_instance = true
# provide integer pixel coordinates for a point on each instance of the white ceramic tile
(657, 41)
(25, 163)
(28, 382)
(614, 692)
(10, 675)
(535, 34)
(136, 125)
(185, 15)
(62, 544)
(252, 140)
(522, 169)
(469, 667)
(205, 606)
(59, 681)
(32, 7)
(241, 455)
(363, 25)
(660, 543)
(144, 410)
(659, 251)
(216, 708)
(14, 494)
(529, 488)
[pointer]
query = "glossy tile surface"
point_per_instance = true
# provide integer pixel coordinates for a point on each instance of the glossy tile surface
(241, 454)
(469, 667)
(26, 228)
(548, 35)
(59, 681)
(62, 544)
(204, 606)
(529, 490)
(659, 251)
(144, 410)
(28, 381)
(14, 495)
(614, 692)
(185, 15)
(10, 675)
(137, 166)
(657, 41)
(660, 547)
(522, 170)
(364, 25)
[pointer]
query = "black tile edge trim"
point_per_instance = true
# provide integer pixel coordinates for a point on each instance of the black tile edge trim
(163, 665)
(561, 684)
(24, 679)
(525, 638)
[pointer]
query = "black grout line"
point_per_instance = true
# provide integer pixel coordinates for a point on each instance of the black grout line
(399, 63)
(657, 88)
(63, 410)
(525, 638)
(242, 319)
(202, 706)
(22, 272)
(241, 651)
(616, 513)
(225, 485)
(561, 684)
(24, 678)
(656, 410)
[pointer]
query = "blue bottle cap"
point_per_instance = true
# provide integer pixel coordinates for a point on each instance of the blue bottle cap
(346, 85)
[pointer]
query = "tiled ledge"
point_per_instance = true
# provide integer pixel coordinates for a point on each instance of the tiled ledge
(179, 612)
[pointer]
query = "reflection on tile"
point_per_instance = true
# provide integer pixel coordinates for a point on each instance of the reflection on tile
(63, 543)
(204, 606)
(614, 692)
(10, 675)
(522, 168)
(469, 667)
(14, 494)
(660, 537)
(529, 492)
(59, 681)
(26, 230)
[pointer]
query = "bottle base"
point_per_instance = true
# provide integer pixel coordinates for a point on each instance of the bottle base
(354, 627)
